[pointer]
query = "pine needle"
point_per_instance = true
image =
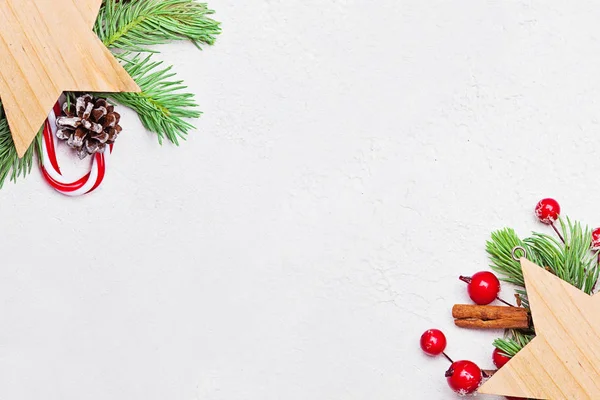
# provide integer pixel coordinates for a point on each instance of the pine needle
(10, 165)
(500, 249)
(513, 343)
(161, 106)
(138, 24)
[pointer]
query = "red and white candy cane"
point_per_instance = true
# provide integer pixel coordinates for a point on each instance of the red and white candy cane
(51, 170)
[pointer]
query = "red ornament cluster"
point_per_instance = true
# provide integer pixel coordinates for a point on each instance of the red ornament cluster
(463, 376)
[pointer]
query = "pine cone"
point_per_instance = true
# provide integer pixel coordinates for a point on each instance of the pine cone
(88, 125)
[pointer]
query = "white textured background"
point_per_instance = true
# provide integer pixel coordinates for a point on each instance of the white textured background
(353, 158)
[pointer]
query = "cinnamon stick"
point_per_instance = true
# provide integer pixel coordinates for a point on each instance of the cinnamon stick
(490, 317)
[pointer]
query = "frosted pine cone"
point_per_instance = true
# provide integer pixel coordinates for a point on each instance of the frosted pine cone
(88, 125)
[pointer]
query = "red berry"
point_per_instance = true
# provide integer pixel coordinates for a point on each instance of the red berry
(499, 358)
(483, 287)
(433, 342)
(547, 211)
(596, 239)
(464, 377)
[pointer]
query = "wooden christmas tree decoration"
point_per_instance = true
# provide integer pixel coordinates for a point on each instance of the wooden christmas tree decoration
(563, 360)
(47, 47)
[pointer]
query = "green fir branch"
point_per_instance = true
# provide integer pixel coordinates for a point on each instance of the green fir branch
(11, 166)
(162, 105)
(572, 261)
(500, 249)
(137, 25)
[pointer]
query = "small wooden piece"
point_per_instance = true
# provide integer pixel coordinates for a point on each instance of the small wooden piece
(490, 317)
(89, 10)
(563, 360)
(46, 47)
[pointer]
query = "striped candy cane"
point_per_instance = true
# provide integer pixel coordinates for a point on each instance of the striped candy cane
(51, 170)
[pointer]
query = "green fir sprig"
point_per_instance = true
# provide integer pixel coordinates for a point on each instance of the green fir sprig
(572, 261)
(11, 166)
(131, 28)
(514, 342)
(162, 105)
(139, 25)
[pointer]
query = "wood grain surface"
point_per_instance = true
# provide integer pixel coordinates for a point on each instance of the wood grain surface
(89, 10)
(47, 47)
(563, 361)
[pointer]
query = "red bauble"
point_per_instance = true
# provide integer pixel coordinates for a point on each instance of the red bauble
(547, 210)
(464, 377)
(483, 287)
(499, 358)
(596, 239)
(433, 342)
